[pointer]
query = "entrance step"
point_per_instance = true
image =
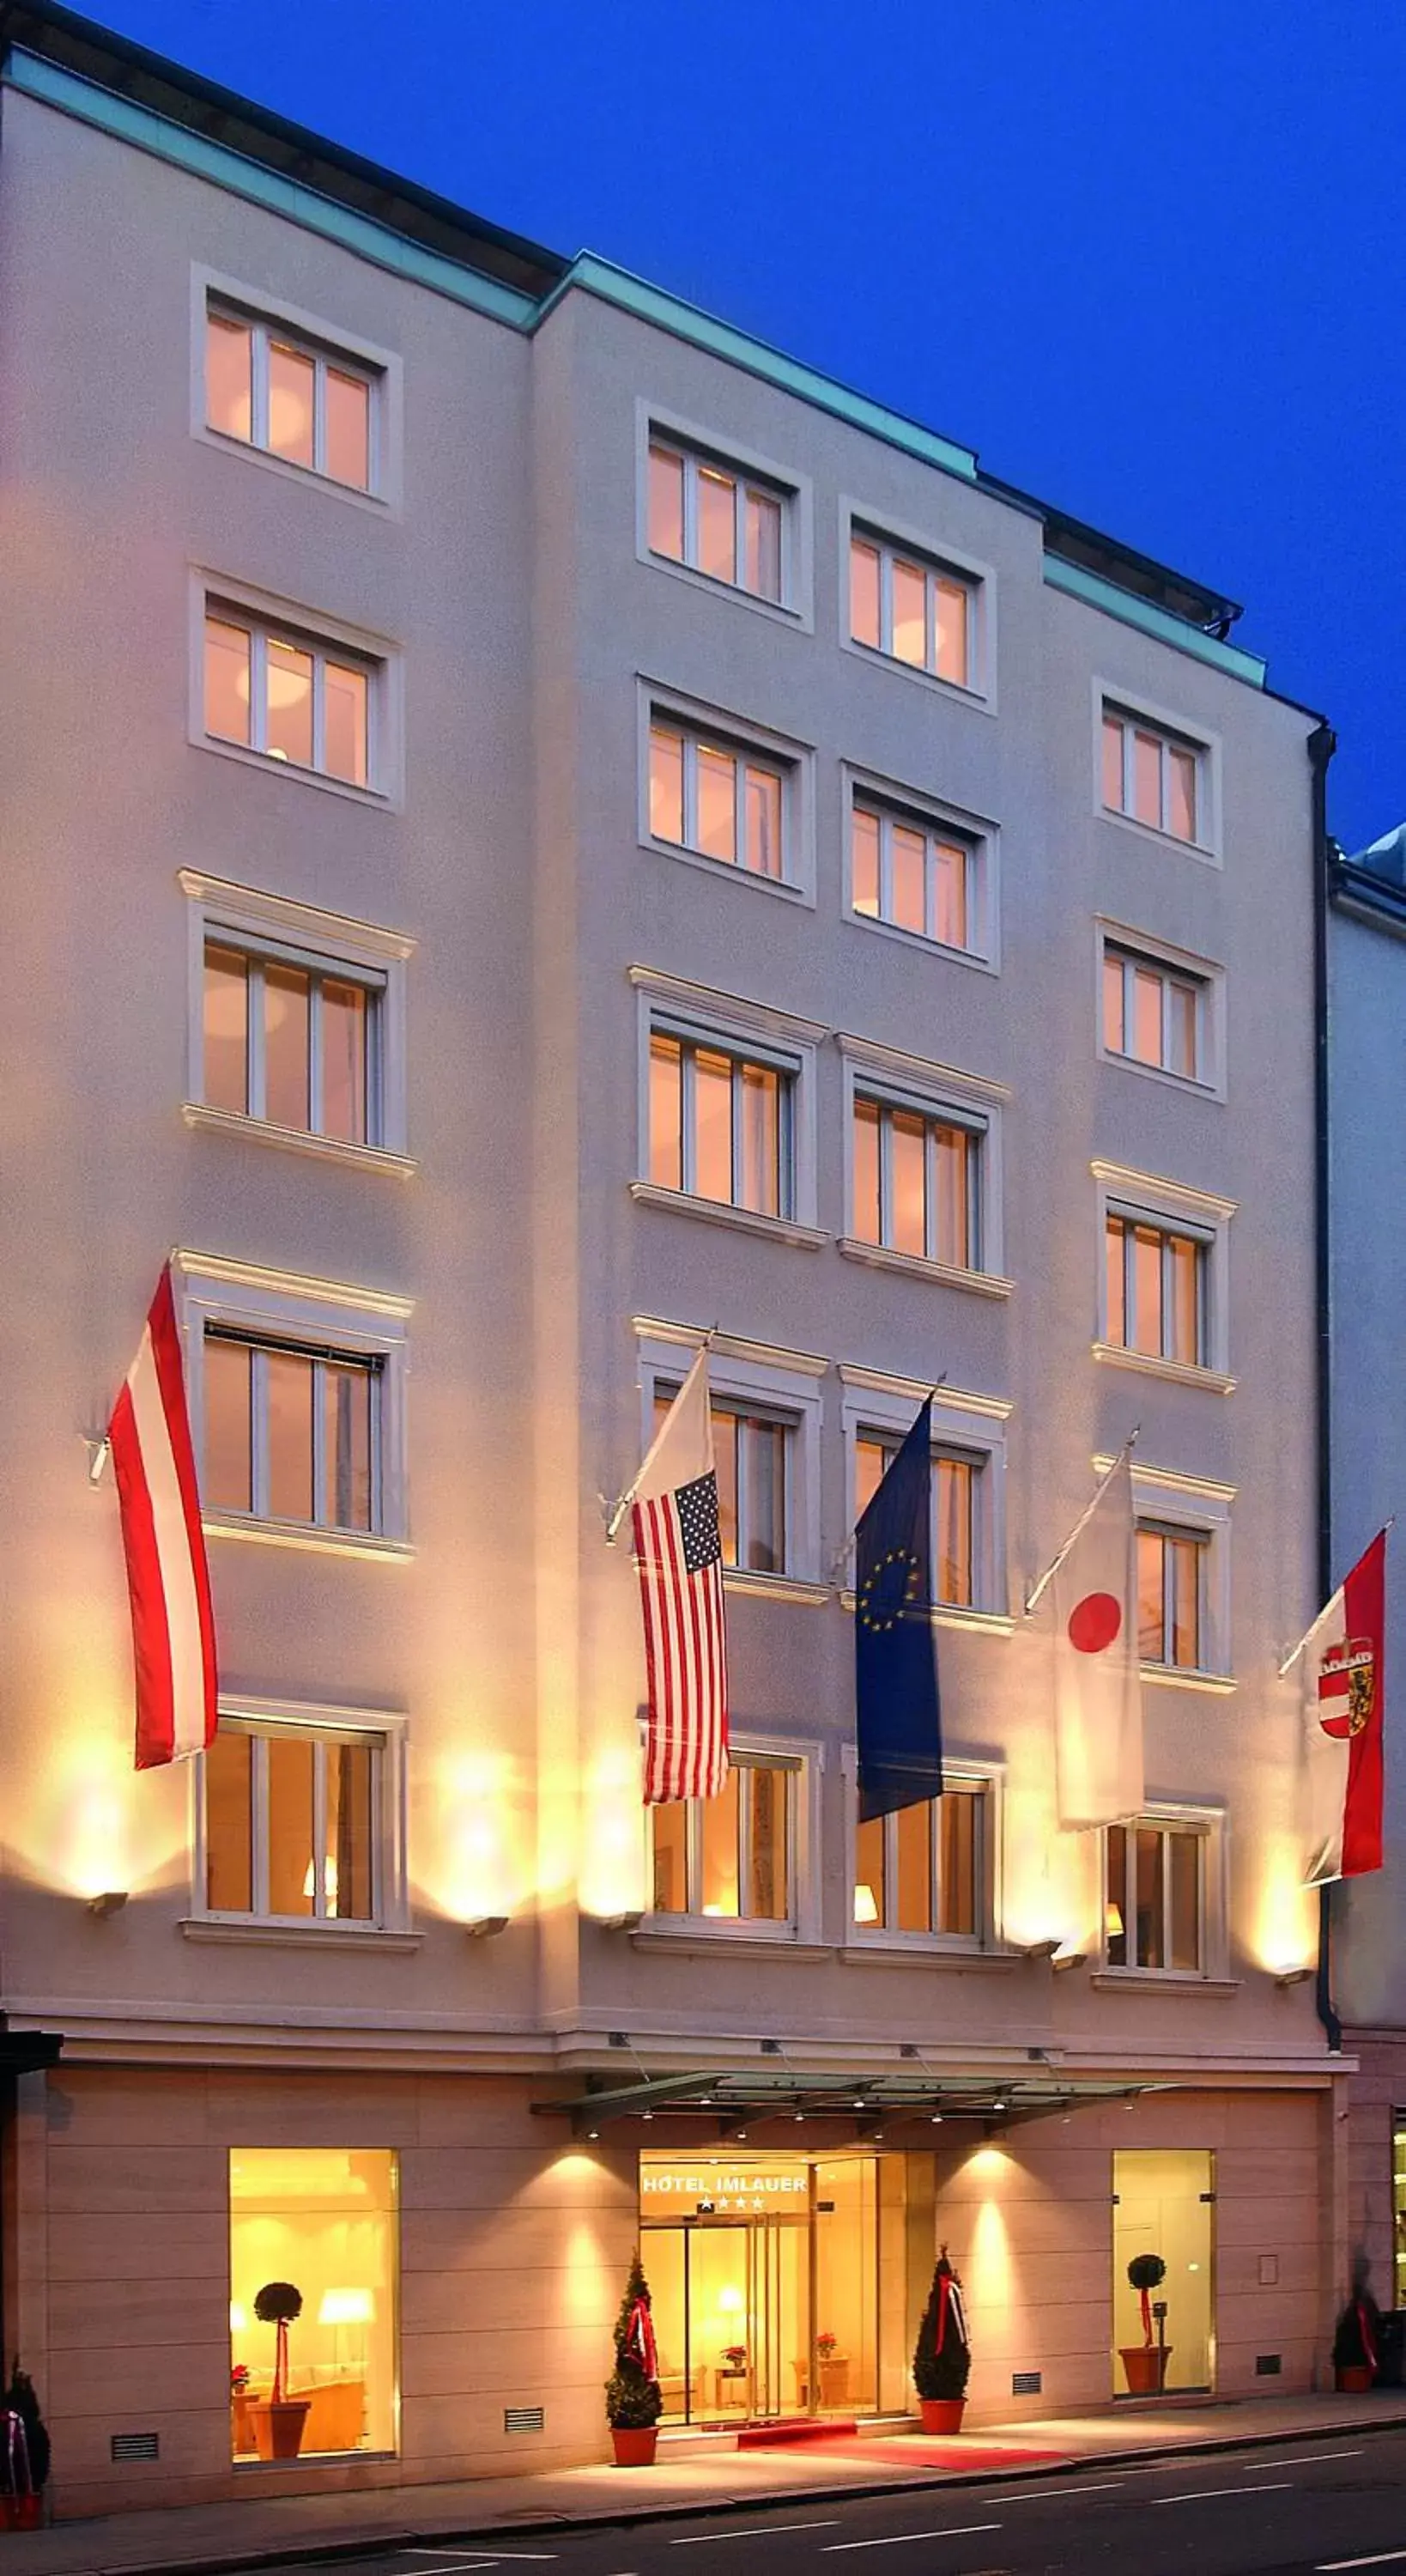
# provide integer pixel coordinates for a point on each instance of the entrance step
(788, 2429)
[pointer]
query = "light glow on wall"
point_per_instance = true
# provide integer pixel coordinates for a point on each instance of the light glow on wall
(612, 1877)
(1285, 1917)
(472, 1828)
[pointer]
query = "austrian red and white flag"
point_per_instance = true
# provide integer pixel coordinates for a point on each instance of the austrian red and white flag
(1097, 1676)
(168, 1578)
(679, 1559)
(1343, 1708)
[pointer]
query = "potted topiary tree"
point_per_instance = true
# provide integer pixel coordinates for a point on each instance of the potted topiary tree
(942, 2357)
(1355, 2340)
(634, 2400)
(24, 2455)
(278, 2426)
(1146, 2362)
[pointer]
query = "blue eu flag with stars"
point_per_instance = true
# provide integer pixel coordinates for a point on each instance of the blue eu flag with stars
(898, 1719)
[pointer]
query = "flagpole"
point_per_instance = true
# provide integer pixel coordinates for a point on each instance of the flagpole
(1082, 1522)
(1291, 1659)
(616, 1514)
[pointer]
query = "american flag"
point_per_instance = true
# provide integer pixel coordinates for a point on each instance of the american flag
(678, 1553)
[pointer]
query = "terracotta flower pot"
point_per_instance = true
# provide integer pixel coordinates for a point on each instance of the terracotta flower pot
(1352, 2378)
(28, 2512)
(1146, 2366)
(942, 2414)
(278, 2430)
(634, 2445)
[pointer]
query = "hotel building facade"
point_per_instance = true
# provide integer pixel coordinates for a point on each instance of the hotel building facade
(537, 828)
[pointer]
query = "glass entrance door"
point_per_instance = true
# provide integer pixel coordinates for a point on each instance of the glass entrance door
(1164, 2205)
(731, 2317)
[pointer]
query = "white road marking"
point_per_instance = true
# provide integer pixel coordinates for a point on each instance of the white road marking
(1194, 2495)
(1075, 2487)
(755, 2531)
(1380, 2558)
(1310, 2459)
(954, 2531)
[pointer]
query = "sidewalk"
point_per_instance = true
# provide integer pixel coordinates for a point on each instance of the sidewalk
(267, 2530)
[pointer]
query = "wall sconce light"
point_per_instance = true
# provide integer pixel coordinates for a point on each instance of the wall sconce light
(628, 1922)
(486, 1927)
(1041, 1949)
(110, 1902)
(1292, 1976)
(1068, 1959)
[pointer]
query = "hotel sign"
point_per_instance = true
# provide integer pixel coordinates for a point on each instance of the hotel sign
(707, 2188)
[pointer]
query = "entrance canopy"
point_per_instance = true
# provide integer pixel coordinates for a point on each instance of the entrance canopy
(729, 2100)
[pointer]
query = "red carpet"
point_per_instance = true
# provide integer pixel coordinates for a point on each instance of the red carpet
(797, 2428)
(909, 2450)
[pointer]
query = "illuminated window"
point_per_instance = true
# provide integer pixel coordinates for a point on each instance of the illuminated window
(1155, 1897)
(720, 800)
(323, 2222)
(924, 1870)
(717, 519)
(720, 1124)
(272, 390)
(1171, 1590)
(1156, 1289)
(911, 609)
(1154, 1015)
(291, 1434)
(918, 876)
(956, 1486)
(751, 1452)
(288, 697)
(1153, 776)
(292, 1823)
(730, 1858)
(917, 1182)
(292, 1042)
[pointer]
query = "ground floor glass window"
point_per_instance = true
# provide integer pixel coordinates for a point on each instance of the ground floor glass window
(314, 2229)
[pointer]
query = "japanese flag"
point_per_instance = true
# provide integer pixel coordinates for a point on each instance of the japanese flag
(1097, 1681)
(1343, 1680)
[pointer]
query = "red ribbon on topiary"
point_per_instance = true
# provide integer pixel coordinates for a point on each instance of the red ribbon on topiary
(19, 2481)
(1364, 2328)
(639, 2339)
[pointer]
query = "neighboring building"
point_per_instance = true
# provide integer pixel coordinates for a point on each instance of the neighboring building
(1366, 1061)
(535, 827)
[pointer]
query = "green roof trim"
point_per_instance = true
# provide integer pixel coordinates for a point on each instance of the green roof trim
(369, 240)
(635, 295)
(1096, 593)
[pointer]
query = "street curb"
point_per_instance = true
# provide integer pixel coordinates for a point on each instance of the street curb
(615, 2516)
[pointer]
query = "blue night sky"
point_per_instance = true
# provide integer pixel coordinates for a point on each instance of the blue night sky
(1144, 255)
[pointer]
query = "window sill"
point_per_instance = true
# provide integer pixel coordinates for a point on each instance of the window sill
(1161, 840)
(949, 1614)
(296, 1140)
(1186, 1083)
(786, 887)
(296, 1936)
(919, 939)
(956, 691)
(888, 1950)
(696, 1939)
(251, 453)
(774, 1587)
(1178, 1372)
(1162, 1981)
(782, 612)
(375, 798)
(1189, 1677)
(394, 1551)
(782, 1229)
(981, 1283)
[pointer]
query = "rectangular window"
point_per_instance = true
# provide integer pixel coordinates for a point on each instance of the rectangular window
(917, 1183)
(1154, 1897)
(731, 1858)
(291, 1434)
(1153, 776)
(956, 1485)
(272, 390)
(1171, 1596)
(289, 697)
(1156, 1289)
(717, 519)
(322, 2220)
(923, 1869)
(917, 875)
(1154, 1015)
(751, 1455)
(292, 1824)
(720, 1125)
(294, 1043)
(913, 610)
(718, 799)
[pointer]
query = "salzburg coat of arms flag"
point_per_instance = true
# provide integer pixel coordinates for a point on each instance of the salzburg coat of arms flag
(1343, 1668)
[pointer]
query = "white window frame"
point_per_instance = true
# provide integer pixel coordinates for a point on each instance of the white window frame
(382, 368)
(1110, 698)
(988, 1779)
(742, 736)
(940, 1092)
(877, 526)
(1200, 1508)
(241, 917)
(212, 594)
(981, 838)
(1211, 1825)
(736, 1027)
(1180, 965)
(781, 1383)
(1145, 1199)
(386, 1731)
(275, 1306)
(700, 445)
(805, 1763)
(964, 1425)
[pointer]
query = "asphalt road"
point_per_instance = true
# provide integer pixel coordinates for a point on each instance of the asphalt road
(1311, 2507)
